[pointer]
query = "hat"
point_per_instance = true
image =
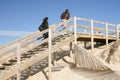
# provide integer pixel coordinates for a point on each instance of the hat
(45, 19)
(67, 10)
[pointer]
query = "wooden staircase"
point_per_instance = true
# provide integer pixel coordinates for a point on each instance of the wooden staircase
(34, 53)
(37, 56)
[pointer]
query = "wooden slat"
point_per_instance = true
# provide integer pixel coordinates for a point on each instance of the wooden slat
(88, 27)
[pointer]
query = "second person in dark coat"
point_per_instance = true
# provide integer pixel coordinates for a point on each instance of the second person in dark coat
(44, 26)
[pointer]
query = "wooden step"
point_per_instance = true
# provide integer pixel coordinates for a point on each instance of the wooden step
(68, 35)
(33, 53)
(63, 37)
(53, 43)
(58, 41)
(58, 67)
(20, 60)
(46, 46)
(43, 64)
(13, 60)
(2, 68)
(26, 56)
(41, 49)
(7, 64)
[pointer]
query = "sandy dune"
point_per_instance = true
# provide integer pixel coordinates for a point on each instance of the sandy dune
(74, 73)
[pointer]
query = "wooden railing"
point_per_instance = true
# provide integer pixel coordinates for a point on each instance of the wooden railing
(29, 42)
(104, 31)
(22, 45)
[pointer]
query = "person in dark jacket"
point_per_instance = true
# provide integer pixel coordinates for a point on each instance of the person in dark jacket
(44, 26)
(65, 16)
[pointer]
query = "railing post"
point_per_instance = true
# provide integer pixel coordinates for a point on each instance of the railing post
(71, 29)
(75, 39)
(55, 58)
(75, 30)
(85, 44)
(18, 61)
(106, 25)
(29, 71)
(49, 56)
(0, 50)
(92, 42)
(117, 30)
(85, 31)
(70, 49)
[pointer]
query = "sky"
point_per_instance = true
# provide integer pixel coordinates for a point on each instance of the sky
(27, 15)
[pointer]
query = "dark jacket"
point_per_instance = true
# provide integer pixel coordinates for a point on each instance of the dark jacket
(42, 27)
(45, 24)
(65, 15)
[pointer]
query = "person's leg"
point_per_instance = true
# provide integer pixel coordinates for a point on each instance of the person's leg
(45, 35)
(64, 26)
(40, 37)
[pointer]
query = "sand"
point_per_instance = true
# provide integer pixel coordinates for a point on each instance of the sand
(74, 73)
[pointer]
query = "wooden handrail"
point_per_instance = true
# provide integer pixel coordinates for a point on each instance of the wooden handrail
(26, 41)
(88, 27)
(17, 40)
(95, 28)
(31, 37)
(99, 22)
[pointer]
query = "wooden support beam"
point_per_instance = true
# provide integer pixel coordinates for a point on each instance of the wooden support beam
(106, 35)
(85, 31)
(55, 58)
(75, 38)
(71, 28)
(29, 71)
(85, 44)
(97, 43)
(117, 30)
(18, 60)
(92, 42)
(75, 30)
(0, 50)
(70, 49)
(49, 56)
